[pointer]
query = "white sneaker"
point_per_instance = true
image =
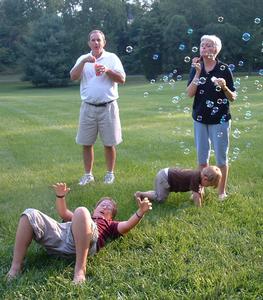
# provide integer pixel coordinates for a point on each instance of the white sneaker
(87, 178)
(222, 197)
(109, 178)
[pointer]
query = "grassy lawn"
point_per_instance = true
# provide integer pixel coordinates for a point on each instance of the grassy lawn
(178, 251)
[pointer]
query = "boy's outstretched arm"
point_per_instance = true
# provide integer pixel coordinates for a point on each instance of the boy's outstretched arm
(61, 191)
(144, 206)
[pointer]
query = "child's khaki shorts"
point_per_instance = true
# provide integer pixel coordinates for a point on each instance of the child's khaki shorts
(55, 237)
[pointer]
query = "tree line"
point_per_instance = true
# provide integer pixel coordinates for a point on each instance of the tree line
(43, 38)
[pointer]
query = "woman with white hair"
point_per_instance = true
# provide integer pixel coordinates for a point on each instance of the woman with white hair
(211, 85)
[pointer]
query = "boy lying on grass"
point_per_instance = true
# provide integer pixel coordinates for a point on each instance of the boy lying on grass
(182, 180)
(81, 234)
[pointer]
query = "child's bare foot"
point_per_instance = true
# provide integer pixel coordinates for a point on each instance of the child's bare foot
(13, 274)
(79, 277)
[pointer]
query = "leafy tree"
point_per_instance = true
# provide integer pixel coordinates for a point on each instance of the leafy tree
(46, 58)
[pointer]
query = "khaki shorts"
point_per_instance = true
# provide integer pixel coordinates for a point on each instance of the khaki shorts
(56, 238)
(104, 120)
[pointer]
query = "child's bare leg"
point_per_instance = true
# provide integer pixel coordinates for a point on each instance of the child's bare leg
(24, 236)
(81, 229)
(151, 195)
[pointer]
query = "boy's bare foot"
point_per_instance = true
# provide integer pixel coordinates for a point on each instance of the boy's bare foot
(79, 277)
(13, 274)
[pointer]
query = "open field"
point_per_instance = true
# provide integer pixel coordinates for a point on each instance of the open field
(178, 251)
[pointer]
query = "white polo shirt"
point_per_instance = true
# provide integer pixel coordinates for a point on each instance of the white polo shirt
(100, 89)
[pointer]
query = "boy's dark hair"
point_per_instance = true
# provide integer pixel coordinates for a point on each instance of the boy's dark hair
(114, 211)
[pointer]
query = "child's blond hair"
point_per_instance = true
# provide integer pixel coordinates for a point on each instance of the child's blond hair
(213, 175)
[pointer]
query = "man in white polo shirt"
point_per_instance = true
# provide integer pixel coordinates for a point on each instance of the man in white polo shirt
(100, 72)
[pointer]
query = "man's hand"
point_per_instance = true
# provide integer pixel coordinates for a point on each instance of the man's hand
(89, 58)
(61, 189)
(144, 205)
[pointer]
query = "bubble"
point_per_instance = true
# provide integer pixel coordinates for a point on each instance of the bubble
(90, 9)
(244, 89)
(214, 110)
(188, 132)
(231, 67)
(174, 71)
(219, 101)
(248, 115)
(187, 59)
(259, 87)
(218, 88)
(194, 49)
(186, 151)
(246, 77)
(183, 95)
(241, 63)
(246, 36)
(145, 94)
(201, 92)
(190, 31)
(225, 101)
(171, 81)
(170, 75)
(257, 20)
(179, 77)
(175, 99)
(181, 145)
(248, 145)
(256, 82)
(199, 118)
(196, 81)
(160, 87)
(209, 103)
(236, 151)
(152, 81)
(165, 78)
(222, 67)
(219, 134)
(202, 80)
(236, 134)
(187, 110)
(220, 19)
(155, 56)
(237, 84)
(181, 47)
(129, 49)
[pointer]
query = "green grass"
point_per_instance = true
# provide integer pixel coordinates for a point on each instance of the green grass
(178, 251)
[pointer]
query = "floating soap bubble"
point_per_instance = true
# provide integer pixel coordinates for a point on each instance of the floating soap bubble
(186, 151)
(201, 92)
(214, 110)
(246, 77)
(225, 101)
(260, 72)
(220, 19)
(155, 56)
(209, 103)
(160, 88)
(129, 49)
(181, 47)
(248, 115)
(248, 145)
(218, 88)
(202, 80)
(259, 87)
(188, 132)
(199, 118)
(257, 20)
(170, 75)
(231, 67)
(241, 63)
(90, 9)
(223, 119)
(165, 78)
(236, 134)
(183, 95)
(190, 31)
(222, 67)
(196, 81)
(187, 110)
(171, 81)
(175, 99)
(219, 134)
(174, 71)
(181, 145)
(145, 94)
(152, 81)
(219, 101)
(244, 89)
(256, 82)
(187, 59)
(179, 77)
(194, 49)
(237, 84)
(246, 36)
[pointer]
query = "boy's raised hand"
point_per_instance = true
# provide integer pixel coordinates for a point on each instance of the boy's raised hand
(144, 205)
(61, 189)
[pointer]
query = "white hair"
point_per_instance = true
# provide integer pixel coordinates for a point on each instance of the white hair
(213, 38)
